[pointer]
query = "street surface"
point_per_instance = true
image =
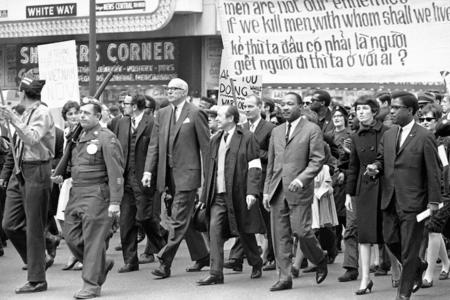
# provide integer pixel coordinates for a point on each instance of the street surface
(181, 285)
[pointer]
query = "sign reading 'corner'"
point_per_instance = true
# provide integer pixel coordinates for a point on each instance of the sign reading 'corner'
(51, 10)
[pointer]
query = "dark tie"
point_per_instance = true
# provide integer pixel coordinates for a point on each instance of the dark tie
(399, 138)
(225, 136)
(288, 133)
(174, 116)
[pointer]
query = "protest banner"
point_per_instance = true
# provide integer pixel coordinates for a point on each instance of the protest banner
(236, 87)
(58, 66)
(338, 41)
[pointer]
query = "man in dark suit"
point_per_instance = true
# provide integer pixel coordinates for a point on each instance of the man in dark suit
(179, 135)
(133, 132)
(262, 130)
(409, 162)
(296, 155)
(233, 174)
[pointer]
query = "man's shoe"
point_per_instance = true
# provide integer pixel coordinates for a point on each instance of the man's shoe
(234, 264)
(145, 258)
(162, 272)
(322, 271)
(427, 284)
(444, 274)
(380, 272)
(304, 264)
(78, 266)
(128, 268)
(423, 265)
(198, 265)
(32, 287)
(311, 269)
(281, 285)
(83, 294)
(211, 279)
(270, 266)
(402, 297)
(256, 271)
(349, 275)
(49, 261)
(70, 263)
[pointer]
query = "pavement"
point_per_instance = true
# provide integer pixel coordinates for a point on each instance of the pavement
(181, 285)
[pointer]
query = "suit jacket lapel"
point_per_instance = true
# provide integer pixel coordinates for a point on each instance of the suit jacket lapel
(183, 115)
(297, 129)
(141, 127)
(408, 138)
(259, 127)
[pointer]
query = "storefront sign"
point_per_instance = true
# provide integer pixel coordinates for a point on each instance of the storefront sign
(52, 10)
(337, 41)
(117, 6)
(58, 67)
(140, 62)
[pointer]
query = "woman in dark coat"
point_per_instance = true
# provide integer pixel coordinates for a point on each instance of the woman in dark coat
(364, 150)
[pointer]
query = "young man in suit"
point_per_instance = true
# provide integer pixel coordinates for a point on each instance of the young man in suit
(262, 130)
(409, 162)
(233, 174)
(133, 132)
(296, 155)
(179, 135)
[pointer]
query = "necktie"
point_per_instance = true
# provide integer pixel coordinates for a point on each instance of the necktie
(288, 133)
(399, 139)
(225, 136)
(174, 117)
(133, 125)
(252, 128)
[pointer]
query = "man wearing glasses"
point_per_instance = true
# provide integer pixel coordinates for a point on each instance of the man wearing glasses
(179, 135)
(408, 160)
(320, 102)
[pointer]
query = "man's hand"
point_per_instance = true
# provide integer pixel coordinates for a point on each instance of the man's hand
(295, 186)
(372, 170)
(114, 210)
(340, 178)
(266, 202)
(3, 183)
(250, 201)
(348, 203)
(7, 114)
(57, 179)
(146, 179)
(434, 207)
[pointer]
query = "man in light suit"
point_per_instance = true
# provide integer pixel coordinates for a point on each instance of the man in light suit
(179, 134)
(409, 162)
(296, 156)
(138, 204)
(262, 130)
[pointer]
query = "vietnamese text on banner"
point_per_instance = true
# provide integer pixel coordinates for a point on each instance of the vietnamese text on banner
(323, 41)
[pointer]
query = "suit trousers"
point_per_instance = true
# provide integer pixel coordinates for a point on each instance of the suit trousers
(351, 252)
(25, 217)
(218, 231)
(180, 225)
(237, 251)
(86, 228)
(132, 208)
(287, 221)
(403, 236)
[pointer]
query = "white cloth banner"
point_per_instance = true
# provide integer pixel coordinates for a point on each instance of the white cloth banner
(244, 85)
(337, 41)
(58, 66)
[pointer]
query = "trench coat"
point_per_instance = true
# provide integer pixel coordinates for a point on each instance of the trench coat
(239, 179)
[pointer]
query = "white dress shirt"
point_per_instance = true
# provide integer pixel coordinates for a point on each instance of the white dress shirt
(405, 131)
(179, 109)
(293, 126)
(252, 126)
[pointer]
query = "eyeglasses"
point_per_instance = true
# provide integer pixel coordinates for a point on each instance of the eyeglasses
(426, 119)
(174, 88)
(397, 107)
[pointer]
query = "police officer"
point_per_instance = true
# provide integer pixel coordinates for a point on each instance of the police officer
(28, 191)
(97, 189)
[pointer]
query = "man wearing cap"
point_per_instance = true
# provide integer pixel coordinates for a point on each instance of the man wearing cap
(28, 191)
(179, 135)
(424, 98)
(97, 190)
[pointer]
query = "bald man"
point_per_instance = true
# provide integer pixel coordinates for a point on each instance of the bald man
(179, 135)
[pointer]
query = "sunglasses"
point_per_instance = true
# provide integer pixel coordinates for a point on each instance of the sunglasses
(426, 119)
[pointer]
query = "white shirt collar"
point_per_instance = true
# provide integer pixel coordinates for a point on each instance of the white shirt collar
(293, 125)
(255, 124)
(179, 106)
(230, 134)
(407, 128)
(138, 119)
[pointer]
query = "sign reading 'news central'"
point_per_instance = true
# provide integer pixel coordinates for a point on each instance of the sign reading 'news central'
(51, 10)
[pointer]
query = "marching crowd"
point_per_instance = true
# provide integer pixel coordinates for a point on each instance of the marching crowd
(294, 182)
